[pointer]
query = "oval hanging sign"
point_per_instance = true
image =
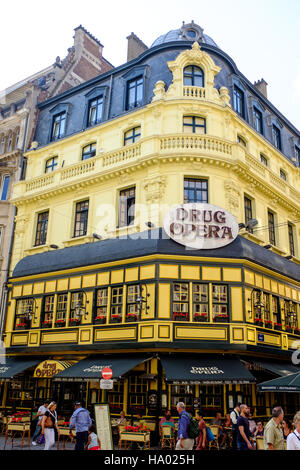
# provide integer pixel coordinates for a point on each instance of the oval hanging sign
(201, 226)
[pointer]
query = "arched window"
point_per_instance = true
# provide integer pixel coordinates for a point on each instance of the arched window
(4, 187)
(51, 164)
(88, 151)
(193, 76)
(241, 141)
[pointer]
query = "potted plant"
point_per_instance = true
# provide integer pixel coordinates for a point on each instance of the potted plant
(132, 317)
(221, 318)
(289, 328)
(180, 316)
(60, 323)
(200, 317)
(74, 321)
(268, 323)
(258, 321)
(47, 324)
(100, 319)
(278, 326)
(116, 318)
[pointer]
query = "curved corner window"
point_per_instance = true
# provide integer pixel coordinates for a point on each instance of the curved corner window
(132, 136)
(51, 164)
(95, 111)
(240, 140)
(88, 151)
(134, 94)
(193, 76)
(4, 187)
(194, 125)
(59, 126)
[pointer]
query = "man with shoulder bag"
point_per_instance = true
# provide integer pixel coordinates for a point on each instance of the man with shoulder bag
(185, 442)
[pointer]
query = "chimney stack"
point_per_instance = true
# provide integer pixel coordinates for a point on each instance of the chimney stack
(135, 47)
(261, 85)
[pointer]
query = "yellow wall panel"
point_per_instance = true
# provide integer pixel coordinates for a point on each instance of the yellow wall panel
(169, 271)
(294, 294)
(267, 283)
(89, 281)
(147, 272)
(19, 339)
(103, 278)
(75, 282)
(27, 289)
(259, 281)
(62, 284)
(232, 274)
(274, 286)
(34, 338)
(281, 289)
(115, 334)
(38, 288)
(288, 292)
(249, 277)
(147, 332)
(182, 332)
(131, 274)
(164, 331)
(164, 301)
(237, 304)
(117, 276)
(271, 339)
(251, 335)
(237, 334)
(60, 337)
(50, 286)
(85, 335)
(190, 272)
(211, 273)
(17, 291)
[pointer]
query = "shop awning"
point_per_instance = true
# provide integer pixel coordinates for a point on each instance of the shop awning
(91, 367)
(14, 366)
(277, 368)
(206, 370)
(288, 383)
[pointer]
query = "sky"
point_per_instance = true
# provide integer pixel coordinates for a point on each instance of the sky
(261, 36)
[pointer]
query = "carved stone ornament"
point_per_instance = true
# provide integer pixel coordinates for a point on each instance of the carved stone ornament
(154, 188)
(159, 91)
(232, 197)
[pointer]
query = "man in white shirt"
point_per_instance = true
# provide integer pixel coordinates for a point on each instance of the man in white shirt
(41, 411)
(293, 439)
(234, 417)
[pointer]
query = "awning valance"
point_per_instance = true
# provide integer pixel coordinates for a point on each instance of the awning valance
(14, 366)
(288, 383)
(91, 367)
(205, 369)
(281, 369)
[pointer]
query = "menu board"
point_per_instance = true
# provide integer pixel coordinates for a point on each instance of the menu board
(103, 426)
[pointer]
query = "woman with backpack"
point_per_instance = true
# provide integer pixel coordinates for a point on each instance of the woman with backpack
(201, 440)
(49, 422)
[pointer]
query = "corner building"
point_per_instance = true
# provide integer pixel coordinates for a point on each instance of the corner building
(96, 281)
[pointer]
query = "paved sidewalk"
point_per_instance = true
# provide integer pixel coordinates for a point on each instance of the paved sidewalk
(18, 442)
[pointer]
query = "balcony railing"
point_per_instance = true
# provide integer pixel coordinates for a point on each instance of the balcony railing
(193, 92)
(195, 142)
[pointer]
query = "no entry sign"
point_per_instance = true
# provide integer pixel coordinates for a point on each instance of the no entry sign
(107, 373)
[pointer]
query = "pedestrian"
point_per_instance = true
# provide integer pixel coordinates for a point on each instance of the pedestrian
(201, 440)
(234, 417)
(81, 420)
(41, 411)
(243, 431)
(184, 441)
(259, 432)
(287, 428)
(293, 439)
(93, 442)
(167, 418)
(49, 422)
(273, 435)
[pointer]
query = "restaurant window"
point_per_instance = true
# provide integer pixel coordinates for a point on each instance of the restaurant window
(195, 190)
(194, 125)
(263, 160)
(115, 397)
(127, 207)
(182, 393)
(22, 307)
(132, 136)
(180, 301)
(241, 141)
(4, 187)
(291, 239)
(290, 313)
(283, 175)
(81, 218)
(51, 164)
(101, 305)
(76, 308)
(116, 304)
(258, 120)
(271, 226)
(48, 310)
(133, 304)
(210, 398)
(134, 93)
(41, 228)
(238, 101)
(267, 310)
(193, 76)
(276, 310)
(248, 212)
(59, 126)
(276, 137)
(61, 309)
(220, 303)
(88, 151)
(200, 302)
(95, 111)
(137, 394)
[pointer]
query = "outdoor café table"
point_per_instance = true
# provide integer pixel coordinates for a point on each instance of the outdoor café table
(138, 437)
(65, 432)
(17, 428)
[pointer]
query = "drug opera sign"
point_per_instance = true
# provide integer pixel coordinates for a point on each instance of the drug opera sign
(201, 226)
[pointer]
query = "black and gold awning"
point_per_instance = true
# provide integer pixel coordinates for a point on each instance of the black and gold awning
(10, 366)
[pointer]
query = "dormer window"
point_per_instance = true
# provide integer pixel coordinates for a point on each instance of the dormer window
(276, 137)
(238, 101)
(193, 76)
(95, 111)
(59, 126)
(135, 91)
(258, 120)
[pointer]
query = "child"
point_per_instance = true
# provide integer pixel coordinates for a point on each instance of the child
(93, 440)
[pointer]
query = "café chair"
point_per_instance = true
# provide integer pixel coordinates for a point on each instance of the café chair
(260, 443)
(167, 440)
(215, 443)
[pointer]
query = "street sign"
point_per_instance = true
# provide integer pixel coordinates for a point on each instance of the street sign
(106, 384)
(107, 373)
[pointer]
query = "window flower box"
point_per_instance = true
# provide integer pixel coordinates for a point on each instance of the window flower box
(278, 326)
(23, 326)
(74, 321)
(289, 329)
(222, 318)
(100, 319)
(180, 316)
(258, 322)
(116, 318)
(60, 323)
(297, 331)
(200, 317)
(268, 323)
(47, 324)
(132, 317)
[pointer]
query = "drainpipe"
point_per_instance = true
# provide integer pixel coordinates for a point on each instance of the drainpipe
(4, 296)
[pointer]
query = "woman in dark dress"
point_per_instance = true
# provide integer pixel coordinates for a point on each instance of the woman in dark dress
(201, 440)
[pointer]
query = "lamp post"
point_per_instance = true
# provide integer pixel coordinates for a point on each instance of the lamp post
(142, 299)
(30, 312)
(80, 307)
